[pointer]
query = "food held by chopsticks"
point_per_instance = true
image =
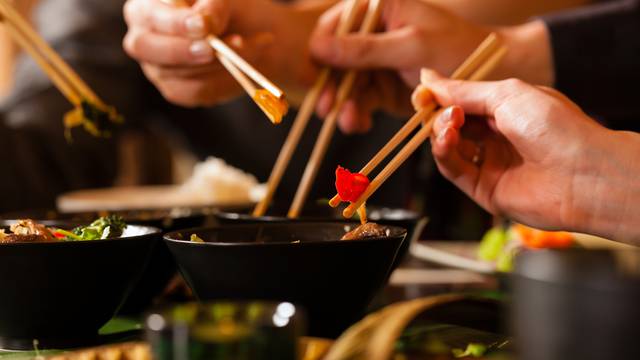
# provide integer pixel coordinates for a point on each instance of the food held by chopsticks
(96, 119)
(350, 187)
(275, 108)
(90, 112)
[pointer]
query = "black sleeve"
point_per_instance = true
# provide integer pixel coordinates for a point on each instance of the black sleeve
(38, 164)
(597, 58)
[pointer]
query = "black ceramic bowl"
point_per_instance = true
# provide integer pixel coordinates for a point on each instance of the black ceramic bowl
(61, 293)
(413, 222)
(333, 280)
(577, 304)
(161, 267)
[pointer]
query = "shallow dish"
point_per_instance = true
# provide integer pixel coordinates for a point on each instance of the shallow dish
(61, 293)
(304, 263)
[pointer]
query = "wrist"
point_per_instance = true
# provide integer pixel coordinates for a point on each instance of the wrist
(606, 199)
(529, 55)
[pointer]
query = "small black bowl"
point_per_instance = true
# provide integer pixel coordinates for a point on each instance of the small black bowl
(161, 268)
(413, 222)
(61, 293)
(303, 263)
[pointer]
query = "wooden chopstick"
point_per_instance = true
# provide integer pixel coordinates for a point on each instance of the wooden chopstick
(329, 124)
(304, 114)
(223, 49)
(490, 55)
(62, 75)
(482, 53)
(239, 68)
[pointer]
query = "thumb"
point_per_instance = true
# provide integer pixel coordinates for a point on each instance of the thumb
(216, 14)
(474, 97)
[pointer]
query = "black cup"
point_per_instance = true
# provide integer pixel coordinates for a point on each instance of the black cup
(577, 304)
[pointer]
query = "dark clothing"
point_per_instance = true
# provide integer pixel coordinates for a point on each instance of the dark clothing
(596, 52)
(39, 165)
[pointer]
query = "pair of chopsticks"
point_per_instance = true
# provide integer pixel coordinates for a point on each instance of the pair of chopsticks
(476, 67)
(306, 110)
(243, 72)
(61, 74)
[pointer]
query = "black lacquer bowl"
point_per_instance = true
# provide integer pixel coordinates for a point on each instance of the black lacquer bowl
(303, 263)
(413, 222)
(161, 267)
(61, 293)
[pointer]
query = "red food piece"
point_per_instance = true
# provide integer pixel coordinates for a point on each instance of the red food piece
(350, 185)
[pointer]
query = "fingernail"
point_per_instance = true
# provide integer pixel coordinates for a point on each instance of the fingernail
(201, 51)
(443, 135)
(445, 117)
(195, 25)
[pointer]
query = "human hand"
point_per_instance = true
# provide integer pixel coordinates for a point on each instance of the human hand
(169, 43)
(523, 151)
(415, 34)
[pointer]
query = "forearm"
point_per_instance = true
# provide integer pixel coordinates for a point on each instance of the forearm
(294, 24)
(529, 56)
(609, 200)
(504, 12)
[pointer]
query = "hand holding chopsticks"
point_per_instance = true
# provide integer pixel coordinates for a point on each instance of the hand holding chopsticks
(270, 98)
(477, 66)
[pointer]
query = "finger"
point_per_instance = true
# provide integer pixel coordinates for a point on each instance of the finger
(192, 92)
(453, 117)
(475, 97)
(326, 99)
(187, 72)
(163, 18)
(444, 146)
(216, 14)
(160, 49)
(348, 117)
(390, 49)
(421, 97)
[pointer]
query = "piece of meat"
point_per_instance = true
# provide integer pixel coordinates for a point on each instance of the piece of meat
(14, 238)
(367, 230)
(27, 231)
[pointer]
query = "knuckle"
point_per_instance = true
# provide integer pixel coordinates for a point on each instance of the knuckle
(130, 43)
(513, 84)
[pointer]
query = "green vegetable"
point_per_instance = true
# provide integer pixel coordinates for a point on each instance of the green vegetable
(106, 227)
(195, 238)
(96, 119)
(472, 350)
(505, 261)
(492, 244)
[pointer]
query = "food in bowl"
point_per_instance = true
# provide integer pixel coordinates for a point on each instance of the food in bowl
(61, 292)
(367, 230)
(30, 231)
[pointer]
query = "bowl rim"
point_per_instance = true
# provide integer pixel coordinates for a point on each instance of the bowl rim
(240, 216)
(153, 231)
(170, 238)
